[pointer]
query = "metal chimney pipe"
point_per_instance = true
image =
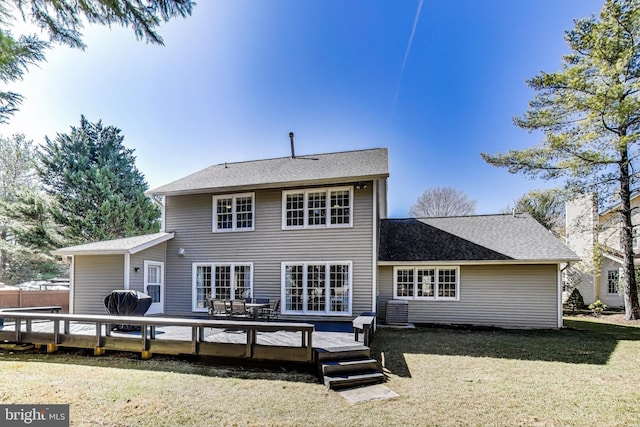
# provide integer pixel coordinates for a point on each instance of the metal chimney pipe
(293, 151)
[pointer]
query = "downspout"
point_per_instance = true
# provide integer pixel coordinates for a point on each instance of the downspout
(560, 271)
(127, 267)
(72, 275)
(374, 255)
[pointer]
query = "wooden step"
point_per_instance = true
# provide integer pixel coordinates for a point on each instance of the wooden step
(343, 353)
(337, 367)
(355, 380)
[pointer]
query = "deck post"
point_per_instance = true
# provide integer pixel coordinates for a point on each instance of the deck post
(52, 348)
(194, 340)
(56, 332)
(250, 340)
(18, 326)
(145, 339)
(67, 327)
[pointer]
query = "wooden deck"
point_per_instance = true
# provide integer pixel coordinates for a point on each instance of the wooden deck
(221, 338)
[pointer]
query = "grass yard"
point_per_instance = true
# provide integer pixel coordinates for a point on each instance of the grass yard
(587, 374)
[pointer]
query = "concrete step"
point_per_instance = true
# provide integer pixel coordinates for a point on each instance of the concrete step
(336, 382)
(337, 367)
(343, 353)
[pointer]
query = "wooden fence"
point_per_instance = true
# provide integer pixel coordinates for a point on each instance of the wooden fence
(18, 298)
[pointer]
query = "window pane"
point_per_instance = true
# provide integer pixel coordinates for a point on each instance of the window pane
(223, 282)
(203, 285)
(426, 282)
(244, 212)
(340, 207)
(293, 287)
(242, 281)
(317, 208)
(447, 282)
(316, 295)
(295, 210)
(613, 277)
(339, 287)
(224, 215)
(404, 281)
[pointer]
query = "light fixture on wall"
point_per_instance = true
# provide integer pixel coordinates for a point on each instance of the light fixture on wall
(136, 269)
(180, 251)
(361, 186)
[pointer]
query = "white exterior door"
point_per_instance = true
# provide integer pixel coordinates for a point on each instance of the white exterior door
(154, 285)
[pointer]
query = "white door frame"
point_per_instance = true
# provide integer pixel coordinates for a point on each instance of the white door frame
(156, 307)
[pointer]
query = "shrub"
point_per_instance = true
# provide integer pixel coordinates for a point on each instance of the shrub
(597, 307)
(575, 301)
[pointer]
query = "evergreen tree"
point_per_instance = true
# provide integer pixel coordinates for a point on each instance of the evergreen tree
(589, 113)
(63, 21)
(27, 233)
(98, 191)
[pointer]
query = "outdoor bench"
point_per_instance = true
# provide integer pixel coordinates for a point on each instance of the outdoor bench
(366, 325)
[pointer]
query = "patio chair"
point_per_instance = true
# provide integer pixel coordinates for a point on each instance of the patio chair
(239, 309)
(218, 309)
(272, 312)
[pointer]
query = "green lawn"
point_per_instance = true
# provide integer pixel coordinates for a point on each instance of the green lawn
(587, 374)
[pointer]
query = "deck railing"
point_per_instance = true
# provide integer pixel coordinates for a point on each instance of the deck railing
(61, 335)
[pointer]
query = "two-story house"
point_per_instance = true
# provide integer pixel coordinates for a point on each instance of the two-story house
(303, 229)
(596, 237)
(312, 231)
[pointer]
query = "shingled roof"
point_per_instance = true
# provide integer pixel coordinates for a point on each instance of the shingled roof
(285, 171)
(482, 238)
(130, 245)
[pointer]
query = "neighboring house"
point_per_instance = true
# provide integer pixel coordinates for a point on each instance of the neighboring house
(493, 270)
(596, 238)
(311, 230)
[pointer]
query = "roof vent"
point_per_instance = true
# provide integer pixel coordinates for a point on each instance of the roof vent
(293, 151)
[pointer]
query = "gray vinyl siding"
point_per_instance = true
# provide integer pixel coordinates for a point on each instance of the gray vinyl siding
(508, 296)
(98, 276)
(136, 278)
(190, 217)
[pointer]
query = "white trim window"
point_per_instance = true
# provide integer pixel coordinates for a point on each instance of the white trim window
(234, 212)
(613, 281)
(317, 288)
(426, 283)
(317, 208)
(220, 281)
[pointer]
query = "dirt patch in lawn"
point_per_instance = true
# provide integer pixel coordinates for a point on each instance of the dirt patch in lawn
(613, 318)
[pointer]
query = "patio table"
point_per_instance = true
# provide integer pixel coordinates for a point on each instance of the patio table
(255, 308)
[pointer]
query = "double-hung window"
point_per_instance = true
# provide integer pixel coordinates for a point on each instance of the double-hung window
(233, 212)
(317, 208)
(220, 281)
(317, 288)
(613, 279)
(428, 283)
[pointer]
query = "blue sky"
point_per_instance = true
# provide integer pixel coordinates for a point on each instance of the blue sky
(237, 76)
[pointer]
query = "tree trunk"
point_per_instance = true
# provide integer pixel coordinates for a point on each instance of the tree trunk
(631, 306)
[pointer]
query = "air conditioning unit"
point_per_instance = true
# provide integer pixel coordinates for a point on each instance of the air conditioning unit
(397, 312)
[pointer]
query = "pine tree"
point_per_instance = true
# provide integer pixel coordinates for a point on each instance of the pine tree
(98, 191)
(63, 21)
(27, 231)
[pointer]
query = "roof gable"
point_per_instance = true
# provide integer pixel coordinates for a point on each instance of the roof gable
(482, 238)
(285, 171)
